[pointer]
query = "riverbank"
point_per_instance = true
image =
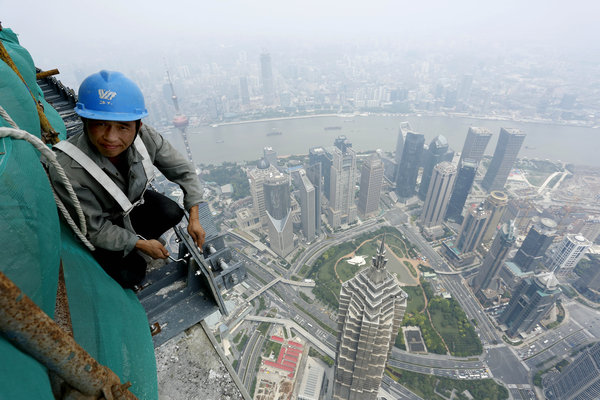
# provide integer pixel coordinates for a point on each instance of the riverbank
(421, 114)
(253, 121)
(245, 140)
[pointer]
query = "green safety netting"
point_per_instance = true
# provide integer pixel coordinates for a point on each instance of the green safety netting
(108, 322)
(29, 256)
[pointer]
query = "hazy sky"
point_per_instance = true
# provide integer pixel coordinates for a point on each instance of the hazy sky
(111, 28)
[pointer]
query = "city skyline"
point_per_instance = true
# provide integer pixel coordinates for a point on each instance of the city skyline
(462, 22)
(304, 222)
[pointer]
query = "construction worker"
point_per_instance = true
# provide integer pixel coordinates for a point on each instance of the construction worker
(110, 166)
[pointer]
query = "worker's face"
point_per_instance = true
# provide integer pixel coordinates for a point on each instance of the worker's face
(111, 138)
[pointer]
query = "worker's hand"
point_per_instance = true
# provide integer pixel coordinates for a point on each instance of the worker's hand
(196, 232)
(153, 248)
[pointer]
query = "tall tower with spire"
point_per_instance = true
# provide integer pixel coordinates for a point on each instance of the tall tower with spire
(180, 121)
(372, 306)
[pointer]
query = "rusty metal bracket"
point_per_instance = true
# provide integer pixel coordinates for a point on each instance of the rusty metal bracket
(45, 74)
(155, 328)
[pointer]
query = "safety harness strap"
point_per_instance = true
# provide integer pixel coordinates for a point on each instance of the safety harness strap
(93, 169)
(146, 161)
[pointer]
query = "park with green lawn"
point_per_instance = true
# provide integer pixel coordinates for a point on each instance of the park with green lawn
(444, 325)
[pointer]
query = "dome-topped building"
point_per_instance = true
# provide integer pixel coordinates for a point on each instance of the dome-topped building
(263, 163)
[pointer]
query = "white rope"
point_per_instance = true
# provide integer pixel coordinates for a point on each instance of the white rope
(7, 117)
(70, 222)
(16, 133)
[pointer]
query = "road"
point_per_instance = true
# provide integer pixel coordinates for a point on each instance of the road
(513, 367)
(582, 326)
(248, 359)
(447, 373)
(397, 390)
(586, 317)
(276, 281)
(474, 311)
(506, 366)
(436, 361)
(455, 285)
(314, 251)
(502, 362)
(449, 367)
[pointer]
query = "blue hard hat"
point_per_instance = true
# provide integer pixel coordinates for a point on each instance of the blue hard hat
(110, 96)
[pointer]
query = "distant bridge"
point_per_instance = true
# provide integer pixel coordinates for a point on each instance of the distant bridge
(455, 272)
(276, 280)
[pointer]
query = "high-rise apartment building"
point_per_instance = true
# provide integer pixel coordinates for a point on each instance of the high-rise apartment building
(568, 253)
(270, 155)
(277, 195)
(462, 187)
(279, 222)
(342, 143)
(281, 234)
(531, 253)
(591, 277)
(580, 380)
(342, 182)
(438, 195)
(505, 155)
(257, 177)
(529, 303)
(318, 155)
(494, 259)
(399, 151)
(437, 152)
(372, 306)
(408, 169)
(266, 74)
(371, 180)
(313, 173)
(475, 143)
(389, 168)
(472, 229)
(393, 173)
(462, 251)
(244, 92)
(307, 206)
(496, 202)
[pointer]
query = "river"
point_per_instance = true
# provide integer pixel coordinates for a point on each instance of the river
(245, 141)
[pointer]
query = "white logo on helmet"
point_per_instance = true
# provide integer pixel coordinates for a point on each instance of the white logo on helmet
(107, 95)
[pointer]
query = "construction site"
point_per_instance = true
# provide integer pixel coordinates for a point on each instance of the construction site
(68, 330)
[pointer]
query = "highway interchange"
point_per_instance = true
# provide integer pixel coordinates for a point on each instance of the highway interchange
(511, 366)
